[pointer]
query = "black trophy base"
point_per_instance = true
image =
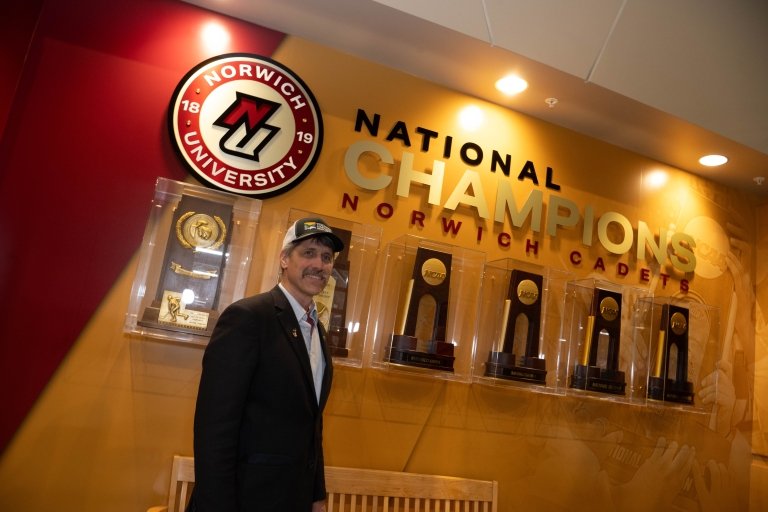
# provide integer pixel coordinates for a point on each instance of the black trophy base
(151, 319)
(337, 342)
(502, 365)
(437, 356)
(669, 390)
(601, 380)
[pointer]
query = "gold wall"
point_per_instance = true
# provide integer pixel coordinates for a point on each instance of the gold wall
(102, 435)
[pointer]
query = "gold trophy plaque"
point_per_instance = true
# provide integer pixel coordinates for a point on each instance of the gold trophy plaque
(332, 301)
(190, 279)
(603, 326)
(523, 304)
(673, 334)
(419, 338)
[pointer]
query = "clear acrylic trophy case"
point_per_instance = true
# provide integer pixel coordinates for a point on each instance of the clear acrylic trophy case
(193, 262)
(600, 351)
(520, 331)
(343, 306)
(680, 338)
(427, 309)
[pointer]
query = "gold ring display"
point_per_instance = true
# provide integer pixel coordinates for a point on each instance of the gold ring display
(200, 231)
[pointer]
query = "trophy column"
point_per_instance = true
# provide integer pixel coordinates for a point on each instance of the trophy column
(419, 338)
(604, 321)
(190, 280)
(523, 302)
(673, 332)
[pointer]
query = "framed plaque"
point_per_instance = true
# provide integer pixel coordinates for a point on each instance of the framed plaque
(193, 261)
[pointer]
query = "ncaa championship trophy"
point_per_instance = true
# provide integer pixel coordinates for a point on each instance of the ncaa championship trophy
(523, 304)
(604, 321)
(673, 332)
(419, 338)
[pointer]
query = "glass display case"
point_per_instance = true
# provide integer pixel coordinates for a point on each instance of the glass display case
(193, 262)
(681, 336)
(520, 331)
(602, 358)
(427, 308)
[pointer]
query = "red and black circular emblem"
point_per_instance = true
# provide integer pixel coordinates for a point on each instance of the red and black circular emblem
(246, 124)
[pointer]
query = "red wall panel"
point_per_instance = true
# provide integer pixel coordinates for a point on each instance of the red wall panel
(85, 140)
(17, 23)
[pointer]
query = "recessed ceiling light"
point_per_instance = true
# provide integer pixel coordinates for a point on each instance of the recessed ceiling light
(511, 85)
(713, 160)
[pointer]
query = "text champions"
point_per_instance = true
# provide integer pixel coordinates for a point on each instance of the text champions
(545, 213)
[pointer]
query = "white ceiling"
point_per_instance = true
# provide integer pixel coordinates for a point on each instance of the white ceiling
(669, 79)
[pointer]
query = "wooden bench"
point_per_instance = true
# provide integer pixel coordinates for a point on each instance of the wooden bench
(182, 480)
(369, 490)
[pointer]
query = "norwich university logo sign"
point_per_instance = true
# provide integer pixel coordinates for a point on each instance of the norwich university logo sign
(246, 124)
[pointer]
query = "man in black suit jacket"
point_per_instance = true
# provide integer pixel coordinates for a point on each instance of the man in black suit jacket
(258, 421)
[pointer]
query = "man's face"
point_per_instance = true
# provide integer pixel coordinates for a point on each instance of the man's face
(306, 269)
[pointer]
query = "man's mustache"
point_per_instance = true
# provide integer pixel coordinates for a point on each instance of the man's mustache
(315, 273)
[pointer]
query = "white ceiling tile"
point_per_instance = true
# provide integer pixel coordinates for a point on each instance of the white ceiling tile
(565, 34)
(700, 60)
(464, 16)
